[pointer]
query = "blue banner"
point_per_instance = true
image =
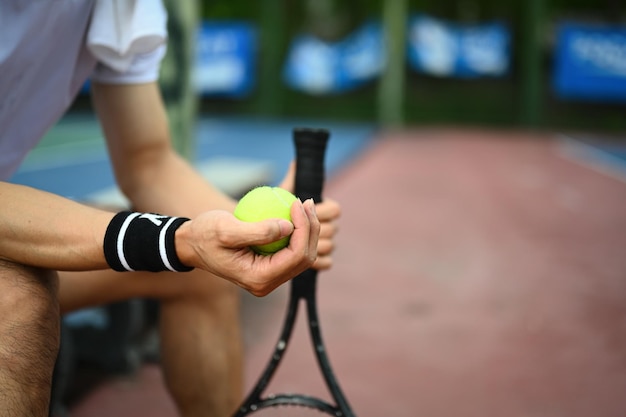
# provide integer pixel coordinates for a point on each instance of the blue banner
(590, 62)
(319, 67)
(225, 63)
(446, 49)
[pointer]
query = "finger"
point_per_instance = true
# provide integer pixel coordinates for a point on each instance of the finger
(315, 227)
(242, 234)
(300, 237)
(325, 247)
(323, 263)
(328, 210)
(302, 249)
(269, 231)
(295, 258)
(328, 230)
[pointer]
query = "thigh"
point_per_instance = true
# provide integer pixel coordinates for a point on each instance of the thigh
(29, 331)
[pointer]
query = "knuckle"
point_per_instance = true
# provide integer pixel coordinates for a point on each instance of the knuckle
(261, 286)
(222, 233)
(259, 290)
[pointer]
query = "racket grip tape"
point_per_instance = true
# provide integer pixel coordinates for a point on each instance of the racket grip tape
(310, 145)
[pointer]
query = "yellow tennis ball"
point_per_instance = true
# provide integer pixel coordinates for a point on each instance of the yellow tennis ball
(263, 203)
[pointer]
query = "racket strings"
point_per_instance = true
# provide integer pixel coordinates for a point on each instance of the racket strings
(297, 404)
(292, 410)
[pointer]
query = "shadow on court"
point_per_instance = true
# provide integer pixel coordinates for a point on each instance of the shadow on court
(478, 274)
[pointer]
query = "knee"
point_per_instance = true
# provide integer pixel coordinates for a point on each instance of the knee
(28, 292)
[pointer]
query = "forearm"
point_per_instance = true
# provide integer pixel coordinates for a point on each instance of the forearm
(149, 172)
(47, 231)
(173, 187)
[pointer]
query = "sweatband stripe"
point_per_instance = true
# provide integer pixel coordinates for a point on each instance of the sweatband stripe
(162, 249)
(120, 240)
(143, 242)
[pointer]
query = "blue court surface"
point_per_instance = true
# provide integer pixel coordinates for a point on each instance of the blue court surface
(234, 153)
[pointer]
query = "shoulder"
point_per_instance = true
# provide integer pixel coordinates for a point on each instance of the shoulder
(38, 77)
(20, 19)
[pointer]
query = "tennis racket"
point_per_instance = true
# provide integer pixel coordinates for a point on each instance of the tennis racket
(310, 147)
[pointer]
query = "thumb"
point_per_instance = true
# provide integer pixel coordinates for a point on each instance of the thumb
(263, 232)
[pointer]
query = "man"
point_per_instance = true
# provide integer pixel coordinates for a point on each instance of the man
(47, 51)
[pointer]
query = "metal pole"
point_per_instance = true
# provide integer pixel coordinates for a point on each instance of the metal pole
(392, 84)
(181, 100)
(272, 39)
(531, 65)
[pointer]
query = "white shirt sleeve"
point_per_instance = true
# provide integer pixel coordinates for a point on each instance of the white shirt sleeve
(144, 68)
(127, 38)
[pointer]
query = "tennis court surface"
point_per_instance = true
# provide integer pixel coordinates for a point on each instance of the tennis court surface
(478, 273)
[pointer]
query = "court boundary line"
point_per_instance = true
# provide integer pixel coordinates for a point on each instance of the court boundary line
(591, 157)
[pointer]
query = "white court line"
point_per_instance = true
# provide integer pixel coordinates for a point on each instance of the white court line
(591, 157)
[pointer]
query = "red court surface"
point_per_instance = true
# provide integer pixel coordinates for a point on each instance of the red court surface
(478, 274)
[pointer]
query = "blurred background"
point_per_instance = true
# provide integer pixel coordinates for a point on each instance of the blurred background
(518, 63)
(496, 132)
(537, 63)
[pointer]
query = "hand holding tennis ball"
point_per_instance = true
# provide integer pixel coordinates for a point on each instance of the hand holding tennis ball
(264, 203)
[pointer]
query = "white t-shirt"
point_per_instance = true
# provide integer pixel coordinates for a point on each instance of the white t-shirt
(44, 62)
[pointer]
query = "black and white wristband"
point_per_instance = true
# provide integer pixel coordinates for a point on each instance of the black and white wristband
(143, 242)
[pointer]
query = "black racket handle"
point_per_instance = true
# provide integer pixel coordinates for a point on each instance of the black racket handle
(310, 147)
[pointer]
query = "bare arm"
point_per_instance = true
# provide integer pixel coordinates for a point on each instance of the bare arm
(44, 230)
(149, 172)
(47, 231)
(155, 178)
